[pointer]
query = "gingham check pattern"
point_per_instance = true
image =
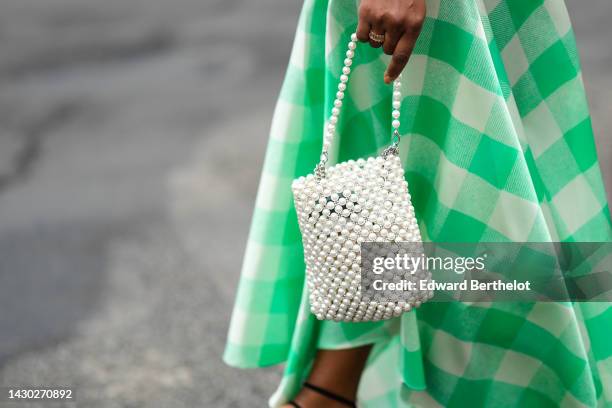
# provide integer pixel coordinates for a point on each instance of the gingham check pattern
(497, 146)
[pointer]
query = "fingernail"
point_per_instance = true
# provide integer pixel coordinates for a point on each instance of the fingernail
(387, 79)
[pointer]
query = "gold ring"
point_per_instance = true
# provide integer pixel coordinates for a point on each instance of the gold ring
(379, 38)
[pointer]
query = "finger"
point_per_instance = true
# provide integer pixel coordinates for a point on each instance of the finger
(391, 39)
(363, 29)
(394, 29)
(400, 57)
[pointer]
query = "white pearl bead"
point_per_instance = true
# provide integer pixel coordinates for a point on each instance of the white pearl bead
(336, 112)
(354, 37)
(397, 95)
(346, 70)
(337, 103)
(352, 45)
(343, 78)
(340, 95)
(334, 120)
(341, 87)
(395, 113)
(348, 62)
(350, 54)
(396, 104)
(395, 124)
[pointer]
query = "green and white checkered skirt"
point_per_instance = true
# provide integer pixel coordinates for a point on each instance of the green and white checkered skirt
(497, 146)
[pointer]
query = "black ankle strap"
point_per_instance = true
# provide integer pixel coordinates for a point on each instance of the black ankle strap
(294, 404)
(330, 395)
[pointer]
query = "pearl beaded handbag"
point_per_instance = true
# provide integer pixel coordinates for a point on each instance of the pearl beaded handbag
(344, 205)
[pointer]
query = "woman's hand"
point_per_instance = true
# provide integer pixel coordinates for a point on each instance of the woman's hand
(399, 21)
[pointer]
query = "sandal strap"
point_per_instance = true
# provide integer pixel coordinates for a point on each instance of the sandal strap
(330, 395)
(294, 404)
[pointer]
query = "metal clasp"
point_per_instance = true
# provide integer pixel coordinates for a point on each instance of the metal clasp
(394, 148)
(319, 170)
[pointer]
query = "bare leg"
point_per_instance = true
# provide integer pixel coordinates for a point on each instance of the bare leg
(338, 371)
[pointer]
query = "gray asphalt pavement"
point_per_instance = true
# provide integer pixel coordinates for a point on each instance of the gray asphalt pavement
(131, 137)
(132, 134)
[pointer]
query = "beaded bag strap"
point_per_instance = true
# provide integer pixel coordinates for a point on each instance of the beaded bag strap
(330, 129)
